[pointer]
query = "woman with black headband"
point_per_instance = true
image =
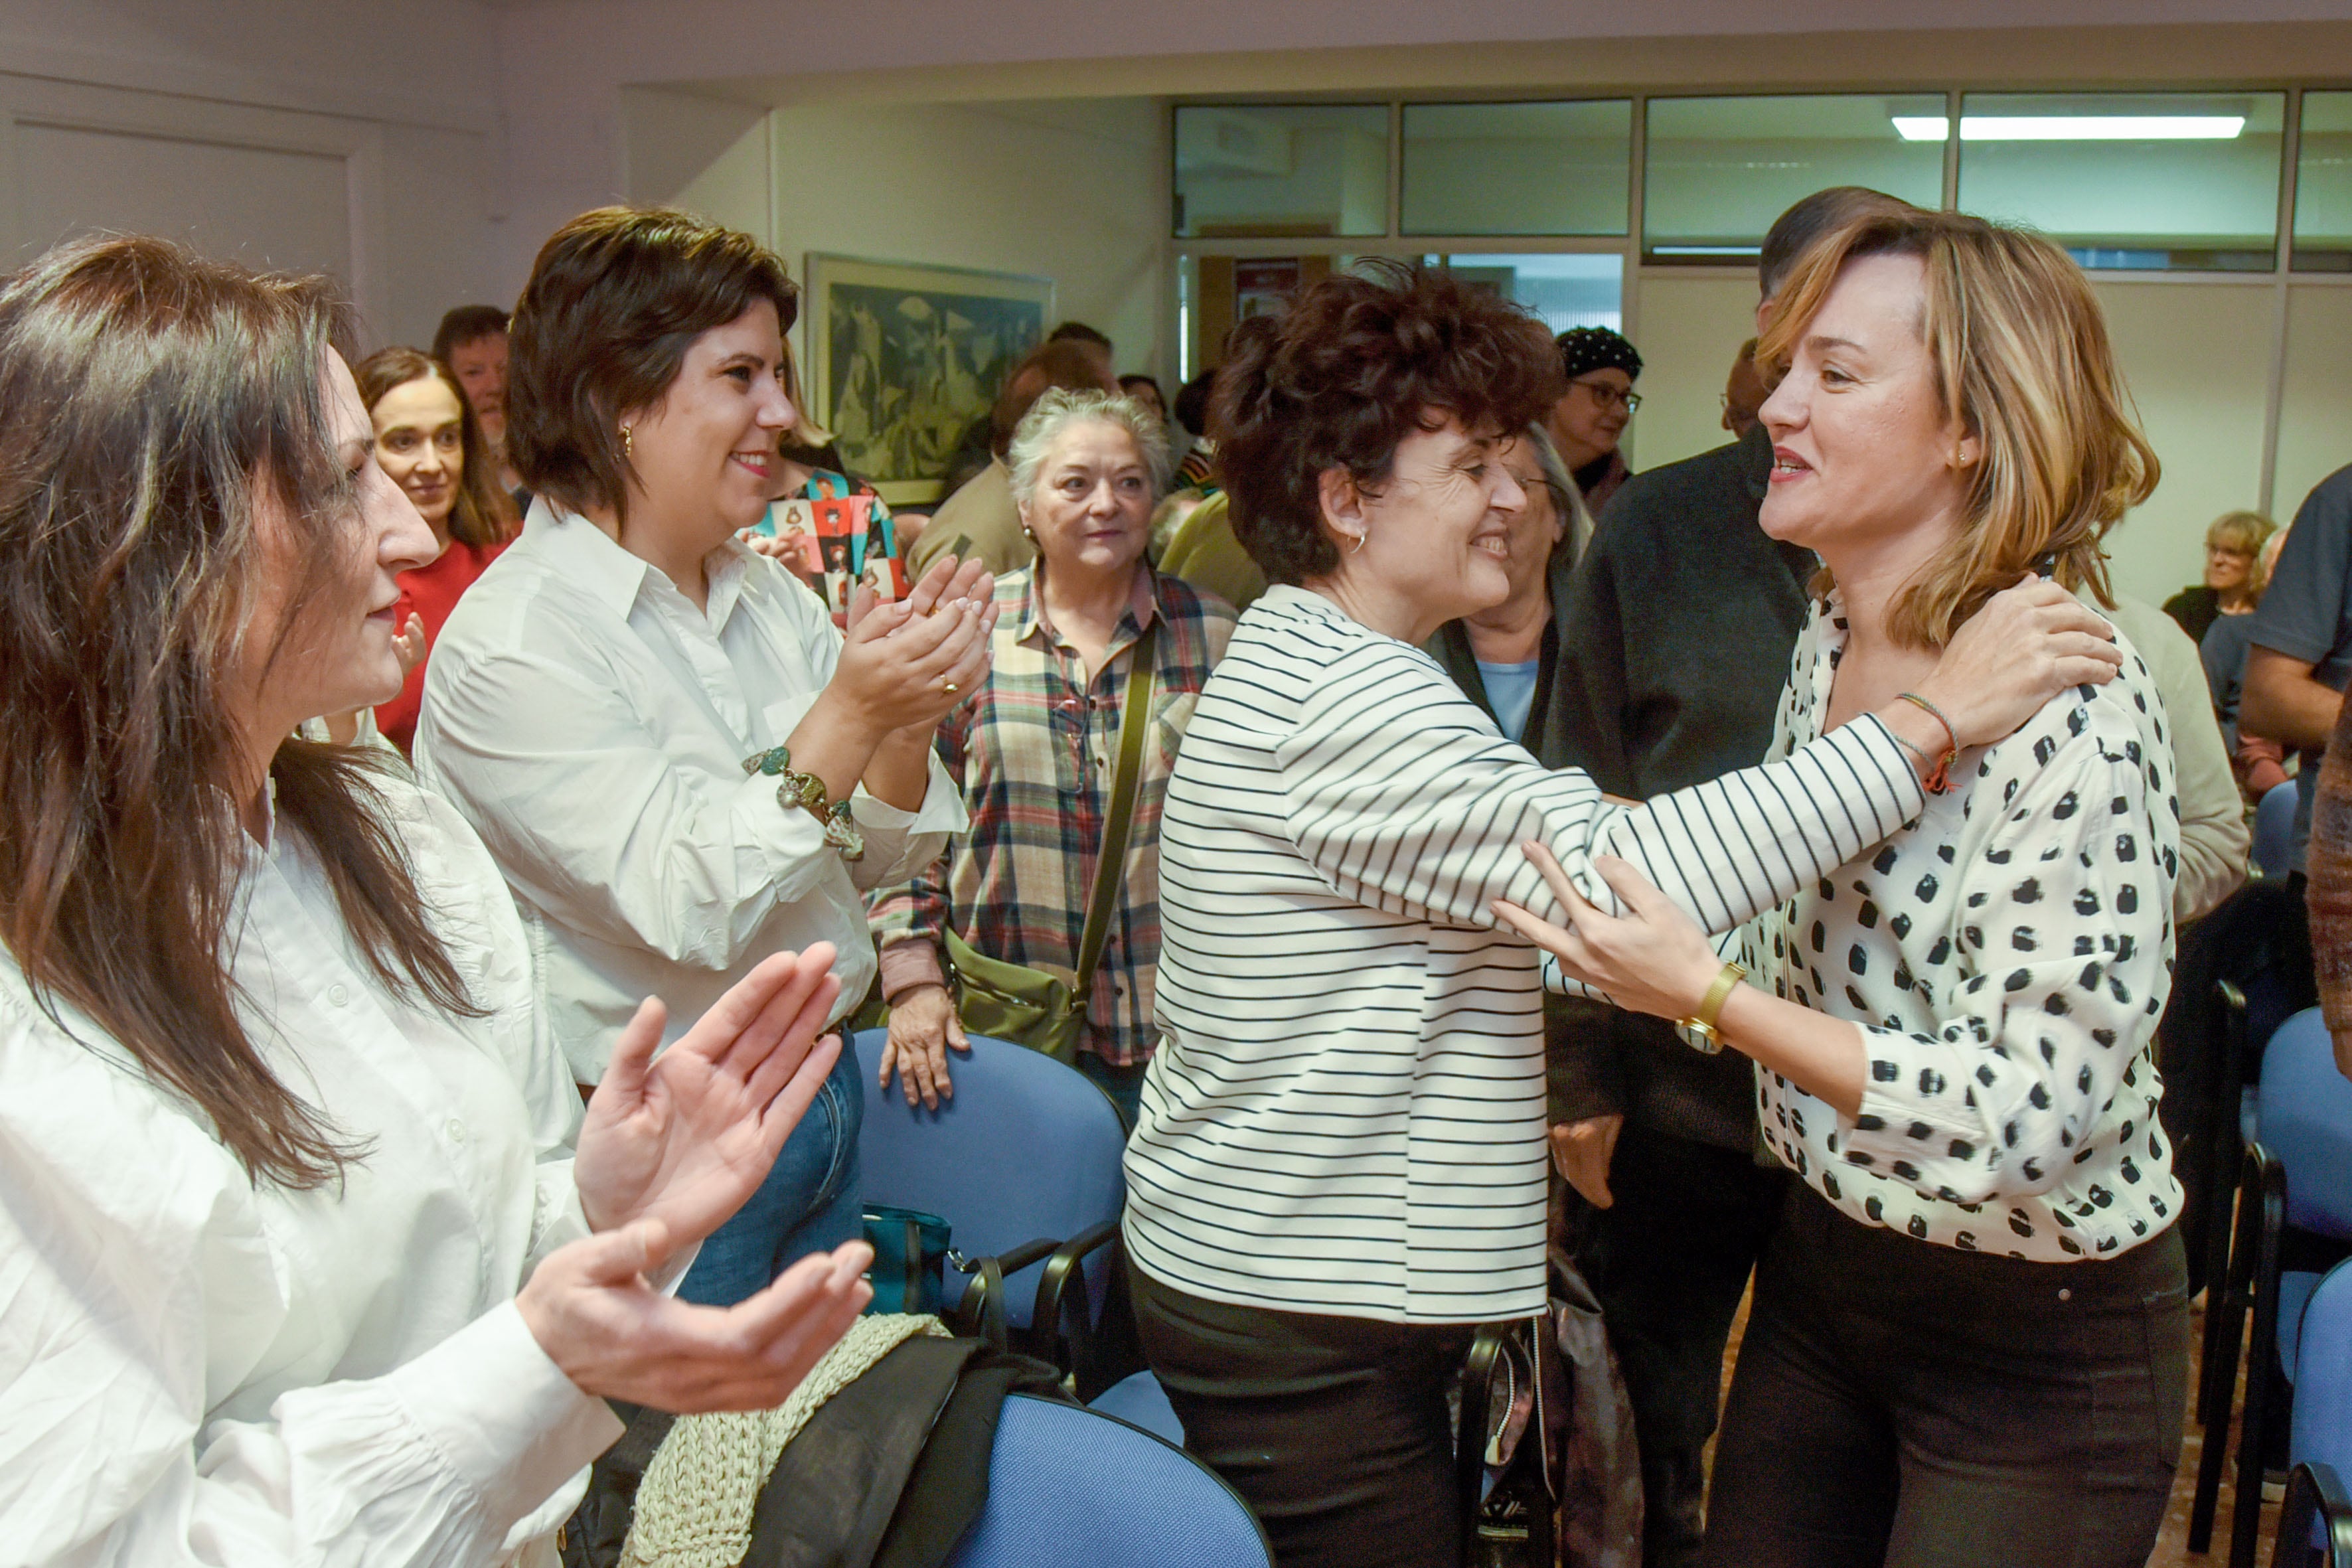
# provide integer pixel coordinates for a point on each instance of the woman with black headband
(1590, 417)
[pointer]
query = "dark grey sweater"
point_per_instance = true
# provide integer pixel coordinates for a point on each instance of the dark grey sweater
(1674, 647)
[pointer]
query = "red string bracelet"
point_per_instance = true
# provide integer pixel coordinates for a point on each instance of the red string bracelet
(1938, 780)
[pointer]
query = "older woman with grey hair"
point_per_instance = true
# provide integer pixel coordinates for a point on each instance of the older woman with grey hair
(1035, 750)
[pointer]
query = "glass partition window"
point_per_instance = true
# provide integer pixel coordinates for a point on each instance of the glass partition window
(1268, 170)
(2323, 185)
(1517, 168)
(1565, 290)
(2131, 180)
(1718, 171)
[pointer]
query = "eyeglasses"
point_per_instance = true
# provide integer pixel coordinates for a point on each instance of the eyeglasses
(1607, 396)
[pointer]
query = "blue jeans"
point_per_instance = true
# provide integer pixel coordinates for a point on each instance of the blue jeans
(810, 1203)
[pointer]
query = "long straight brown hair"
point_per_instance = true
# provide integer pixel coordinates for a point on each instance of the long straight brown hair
(483, 514)
(156, 403)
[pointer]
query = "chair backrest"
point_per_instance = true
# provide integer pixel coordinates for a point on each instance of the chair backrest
(1071, 1487)
(2322, 1428)
(1026, 1148)
(2275, 829)
(2306, 1122)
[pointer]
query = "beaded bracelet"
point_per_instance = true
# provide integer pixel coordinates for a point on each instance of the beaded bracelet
(796, 791)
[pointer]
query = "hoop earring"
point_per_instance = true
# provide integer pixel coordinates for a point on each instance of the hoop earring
(1356, 546)
(629, 445)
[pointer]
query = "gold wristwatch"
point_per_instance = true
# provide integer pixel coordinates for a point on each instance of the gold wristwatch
(1702, 1023)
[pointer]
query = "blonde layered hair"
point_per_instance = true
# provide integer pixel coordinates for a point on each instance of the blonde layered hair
(2020, 356)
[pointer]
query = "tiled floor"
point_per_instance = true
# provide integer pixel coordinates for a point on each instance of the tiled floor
(2172, 1542)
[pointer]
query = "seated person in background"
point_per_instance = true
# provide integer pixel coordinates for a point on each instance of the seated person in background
(472, 342)
(2229, 588)
(2301, 635)
(980, 522)
(645, 720)
(1035, 749)
(2259, 764)
(808, 469)
(298, 1264)
(1147, 394)
(430, 444)
(1590, 419)
(1744, 392)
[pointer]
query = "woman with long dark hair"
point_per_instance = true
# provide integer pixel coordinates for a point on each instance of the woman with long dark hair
(298, 1264)
(430, 444)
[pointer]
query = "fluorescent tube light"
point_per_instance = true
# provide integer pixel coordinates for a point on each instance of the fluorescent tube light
(2074, 127)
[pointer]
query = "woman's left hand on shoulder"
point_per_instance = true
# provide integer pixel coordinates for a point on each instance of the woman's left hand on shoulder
(1653, 958)
(687, 1136)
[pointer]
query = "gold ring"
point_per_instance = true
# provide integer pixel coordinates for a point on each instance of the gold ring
(948, 687)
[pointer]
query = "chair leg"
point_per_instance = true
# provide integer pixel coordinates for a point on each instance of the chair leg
(1470, 1436)
(2267, 1179)
(2314, 1499)
(2224, 1155)
(2226, 1298)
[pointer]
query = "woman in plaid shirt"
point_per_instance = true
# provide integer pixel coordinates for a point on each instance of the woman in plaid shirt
(1036, 747)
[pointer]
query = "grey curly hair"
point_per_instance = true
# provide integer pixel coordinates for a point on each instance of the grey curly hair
(1059, 409)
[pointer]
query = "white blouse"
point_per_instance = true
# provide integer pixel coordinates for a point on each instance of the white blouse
(592, 724)
(1346, 1111)
(198, 1370)
(2007, 955)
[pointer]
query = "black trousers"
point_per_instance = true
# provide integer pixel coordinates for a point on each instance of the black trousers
(1668, 1262)
(1334, 1430)
(1917, 1406)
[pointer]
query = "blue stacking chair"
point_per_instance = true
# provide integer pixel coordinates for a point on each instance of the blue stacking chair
(2274, 830)
(2298, 1177)
(1024, 1164)
(2317, 1519)
(1070, 1487)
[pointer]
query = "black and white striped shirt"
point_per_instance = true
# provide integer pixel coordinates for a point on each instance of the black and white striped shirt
(1345, 1113)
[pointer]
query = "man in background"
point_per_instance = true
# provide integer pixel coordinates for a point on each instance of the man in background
(1676, 644)
(472, 342)
(1744, 393)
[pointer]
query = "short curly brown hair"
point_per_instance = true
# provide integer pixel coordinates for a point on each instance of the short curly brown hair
(1358, 362)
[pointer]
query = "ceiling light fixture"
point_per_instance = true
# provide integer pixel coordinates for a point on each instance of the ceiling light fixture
(2074, 127)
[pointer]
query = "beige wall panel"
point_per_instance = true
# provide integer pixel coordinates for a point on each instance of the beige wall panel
(1689, 326)
(2197, 358)
(2315, 437)
(1079, 194)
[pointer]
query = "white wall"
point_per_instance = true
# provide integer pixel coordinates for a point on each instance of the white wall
(294, 134)
(2314, 436)
(1076, 192)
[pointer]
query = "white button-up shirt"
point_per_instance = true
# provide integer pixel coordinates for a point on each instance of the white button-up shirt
(199, 1369)
(592, 723)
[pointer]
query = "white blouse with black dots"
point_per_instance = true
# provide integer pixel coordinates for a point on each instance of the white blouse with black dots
(2007, 955)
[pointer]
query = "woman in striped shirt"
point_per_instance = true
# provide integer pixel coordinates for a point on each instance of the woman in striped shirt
(1339, 1169)
(1973, 1325)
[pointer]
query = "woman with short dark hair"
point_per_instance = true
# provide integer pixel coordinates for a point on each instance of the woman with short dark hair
(298, 1264)
(1340, 1165)
(677, 759)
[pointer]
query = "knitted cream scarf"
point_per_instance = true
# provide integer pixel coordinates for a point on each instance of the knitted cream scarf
(694, 1507)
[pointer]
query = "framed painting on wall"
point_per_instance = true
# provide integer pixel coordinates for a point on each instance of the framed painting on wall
(903, 358)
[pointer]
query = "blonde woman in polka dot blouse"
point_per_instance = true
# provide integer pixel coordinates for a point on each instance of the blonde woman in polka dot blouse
(1972, 1327)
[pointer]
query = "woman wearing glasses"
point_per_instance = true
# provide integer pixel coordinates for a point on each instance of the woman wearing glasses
(1590, 418)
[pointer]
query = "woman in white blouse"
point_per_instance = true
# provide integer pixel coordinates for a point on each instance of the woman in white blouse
(1340, 1165)
(679, 762)
(1969, 1339)
(297, 1263)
